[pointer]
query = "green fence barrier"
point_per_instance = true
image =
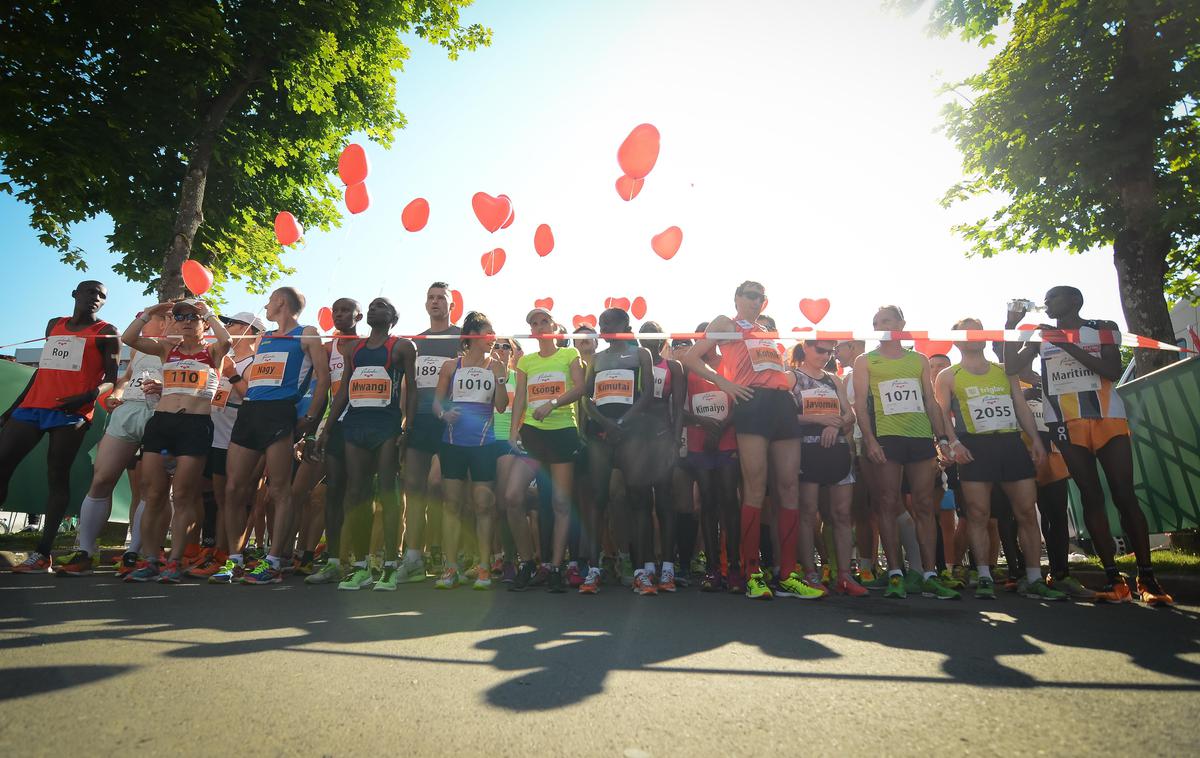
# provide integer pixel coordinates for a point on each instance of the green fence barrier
(27, 490)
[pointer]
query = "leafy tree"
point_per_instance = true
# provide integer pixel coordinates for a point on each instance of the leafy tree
(192, 122)
(1085, 120)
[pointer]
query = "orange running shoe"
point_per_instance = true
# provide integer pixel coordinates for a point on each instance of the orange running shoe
(643, 583)
(1152, 594)
(1116, 592)
(198, 559)
(847, 586)
(666, 582)
(211, 566)
(36, 563)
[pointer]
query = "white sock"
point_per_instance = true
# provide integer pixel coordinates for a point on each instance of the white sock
(908, 538)
(985, 572)
(1033, 574)
(273, 561)
(668, 568)
(93, 515)
(930, 575)
(135, 527)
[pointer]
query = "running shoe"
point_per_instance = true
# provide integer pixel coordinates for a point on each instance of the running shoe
(768, 575)
(172, 573)
(541, 576)
(1115, 592)
(973, 578)
(794, 586)
(470, 574)
(591, 583)
(574, 578)
(866, 576)
(35, 563)
(878, 581)
(127, 563)
(1012, 585)
(448, 580)
(145, 572)
(483, 579)
(625, 571)
(410, 572)
(327, 574)
(524, 576)
(985, 588)
(1072, 587)
(508, 572)
(756, 587)
(931, 587)
(305, 567)
(387, 580)
(697, 567)
(643, 583)
(666, 583)
(360, 579)
(847, 586)
(736, 584)
(497, 568)
(896, 588)
(75, 563)
(555, 582)
(1151, 593)
(712, 582)
(198, 558)
(913, 582)
(960, 575)
(1039, 590)
(949, 580)
(826, 576)
(263, 573)
(231, 572)
(208, 568)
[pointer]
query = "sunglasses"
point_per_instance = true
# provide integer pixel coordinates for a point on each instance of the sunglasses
(681, 343)
(503, 346)
(186, 316)
(754, 295)
(821, 350)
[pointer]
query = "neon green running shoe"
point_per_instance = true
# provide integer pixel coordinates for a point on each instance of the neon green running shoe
(387, 581)
(913, 582)
(1039, 590)
(796, 587)
(931, 587)
(985, 588)
(948, 579)
(360, 579)
(896, 588)
(756, 587)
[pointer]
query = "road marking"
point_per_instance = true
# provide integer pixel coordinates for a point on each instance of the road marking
(146, 597)
(32, 587)
(385, 615)
(74, 602)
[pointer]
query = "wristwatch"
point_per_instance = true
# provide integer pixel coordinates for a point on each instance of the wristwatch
(554, 402)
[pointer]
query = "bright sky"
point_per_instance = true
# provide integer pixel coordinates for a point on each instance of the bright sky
(799, 148)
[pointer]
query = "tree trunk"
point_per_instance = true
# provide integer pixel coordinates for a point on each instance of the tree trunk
(1141, 275)
(191, 193)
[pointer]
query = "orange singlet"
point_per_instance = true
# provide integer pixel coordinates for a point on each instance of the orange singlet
(753, 361)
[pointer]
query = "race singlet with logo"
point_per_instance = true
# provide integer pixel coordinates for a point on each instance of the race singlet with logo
(473, 384)
(267, 370)
(1072, 390)
(543, 387)
(63, 352)
(370, 387)
(190, 378)
(428, 369)
(615, 386)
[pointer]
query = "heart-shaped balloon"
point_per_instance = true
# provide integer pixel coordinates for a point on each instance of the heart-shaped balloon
(814, 310)
(617, 302)
(415, 215)
(544, 302)
(638, 307)
(932, 347)
(628, 187)
(667, 243)
(325, 318)
(512, 212)
(287, 229)
(352, 164)
(456, 306)
(357, 198)
(543, 240)
(588, 320)
(196, 277)
(493, 261)
(639, 152)
(492, 212)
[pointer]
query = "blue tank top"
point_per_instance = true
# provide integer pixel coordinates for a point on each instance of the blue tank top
(472, 394)
(281, 369)
(374, 388)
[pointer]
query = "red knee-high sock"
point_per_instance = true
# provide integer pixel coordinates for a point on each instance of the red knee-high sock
(751, 527)
(789, 530)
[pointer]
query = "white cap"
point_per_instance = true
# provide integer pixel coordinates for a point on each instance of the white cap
(529, 316)
(247, 318)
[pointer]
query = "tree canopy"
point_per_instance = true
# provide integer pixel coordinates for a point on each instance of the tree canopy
(192, 123)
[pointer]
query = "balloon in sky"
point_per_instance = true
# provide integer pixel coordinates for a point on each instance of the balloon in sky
(617, 302)
(352, 164)
(639, 152)
(512, 213)
(325, 318)
(492, 212)
(588, 320)
(456, 306)
(357, 198)
(814, 310)
(196, 278)
(493, 261)
(628, 187)
(544, 302)
(667, 243)
(415, 215)
(638, 307)
(543, 240)
(932, 347)
(287, 229)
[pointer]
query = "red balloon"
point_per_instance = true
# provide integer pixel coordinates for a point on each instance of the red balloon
(195, 277)
(352, 164)
(617, 302)
(588, 320)
(512, 213)
(456, 306)
(287, 229)
(667, 243)
(492, 262)
(543, 240)
(639, 152)
(357, 198)
(544, 302)
(325, 318)
(638, 307)
(814, 310)
(492, 212)
(628, 187)
(415, 215)
(932, 347)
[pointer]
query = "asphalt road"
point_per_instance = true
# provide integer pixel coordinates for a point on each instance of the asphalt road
(95, 665)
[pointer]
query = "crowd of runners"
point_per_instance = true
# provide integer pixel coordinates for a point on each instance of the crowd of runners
(258, 448)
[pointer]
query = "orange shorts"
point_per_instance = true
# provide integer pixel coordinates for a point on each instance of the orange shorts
(1053, 470)
(1095, 433)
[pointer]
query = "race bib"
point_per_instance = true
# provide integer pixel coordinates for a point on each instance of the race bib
(713, 404)
(370, 387)
(544, 387)
(660, 380)
(473, 384)
(337, 367)
(428, 368)
(820, 401)
(614, 386)
(764, 355)
(901, 396)
(267, 370)
(992, 413)
(1065, 375)
(188, 377)
(63, 353)
(135, 390)
(221, 397)
(1039, 414)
